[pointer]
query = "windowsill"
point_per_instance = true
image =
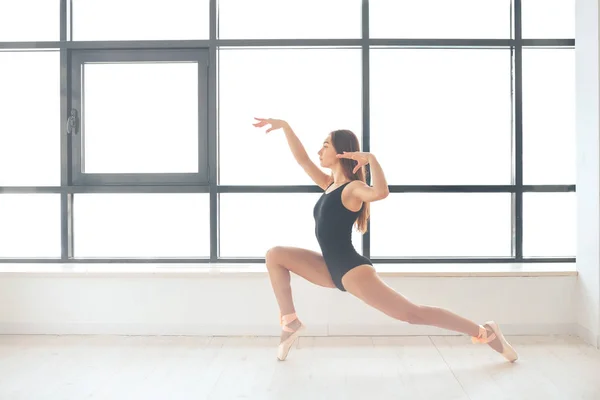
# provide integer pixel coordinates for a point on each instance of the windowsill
(255, 270)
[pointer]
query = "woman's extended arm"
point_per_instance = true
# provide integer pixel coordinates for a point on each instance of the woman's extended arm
(298, 150)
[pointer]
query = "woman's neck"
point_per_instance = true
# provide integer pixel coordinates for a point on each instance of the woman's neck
(339, 177)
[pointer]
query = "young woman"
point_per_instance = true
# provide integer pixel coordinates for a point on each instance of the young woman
(344, 203)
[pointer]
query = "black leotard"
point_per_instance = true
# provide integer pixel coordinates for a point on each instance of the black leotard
(333, 228)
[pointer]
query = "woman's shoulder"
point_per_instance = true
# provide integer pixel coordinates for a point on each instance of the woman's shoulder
(357, 183)
(353, 186)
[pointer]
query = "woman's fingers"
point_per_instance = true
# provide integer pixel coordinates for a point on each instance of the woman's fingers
(261, 122)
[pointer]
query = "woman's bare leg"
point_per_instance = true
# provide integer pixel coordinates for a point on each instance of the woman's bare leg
(305, 263)
(364, 283)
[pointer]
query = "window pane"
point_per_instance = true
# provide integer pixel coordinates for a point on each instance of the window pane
(548, 19)
(140, 19)
(442, 19)
(284, 219)
(549, 224)
(30, 225)
(30, 126)
(442, 225)
(29, 20)
(435, 126)
(315, 90)
(142, 225)
(276, 19)
(549, 116)
(141, 118)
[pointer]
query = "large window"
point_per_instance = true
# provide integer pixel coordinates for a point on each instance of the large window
(29, 20)
(440, 19)
(548, 19)
(315, 90)
(251, 223)
(548, 116)
(549, 224)
(140, 19)
(442, 116)
(161, 225)
(442, 225)
(126, 127)
(277, 19)
(30, 118)
(30, 226)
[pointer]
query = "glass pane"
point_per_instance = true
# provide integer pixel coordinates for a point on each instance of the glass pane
(549, 116)
(141, 118)
(441, 19)
(282, 219)
(550, 224)
(140, 19)
(29, 20)
(442, 126)
(548, 19)
(442, 225)
(276, 19)
(142, 225)
(315, 90)
(30, 122)
(30, 225)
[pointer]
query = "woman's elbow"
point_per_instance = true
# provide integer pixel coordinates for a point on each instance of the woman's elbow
(381, 194)
(385, 192)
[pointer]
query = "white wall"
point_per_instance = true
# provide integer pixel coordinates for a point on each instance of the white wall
(588, 170)
(243, 304)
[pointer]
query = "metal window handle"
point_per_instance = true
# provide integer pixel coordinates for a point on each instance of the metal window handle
(73, 123)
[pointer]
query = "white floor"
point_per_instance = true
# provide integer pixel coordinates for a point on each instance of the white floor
(134, 367)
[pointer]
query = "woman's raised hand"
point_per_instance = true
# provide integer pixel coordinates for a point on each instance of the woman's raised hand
(361, 158)
(275, 123)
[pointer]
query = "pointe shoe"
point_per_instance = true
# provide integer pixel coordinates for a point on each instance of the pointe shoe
(284, 347)
(507, 350)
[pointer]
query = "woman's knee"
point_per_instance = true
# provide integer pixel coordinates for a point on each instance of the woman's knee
(274, 255)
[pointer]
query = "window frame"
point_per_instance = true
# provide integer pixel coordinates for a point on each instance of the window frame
(80, 58)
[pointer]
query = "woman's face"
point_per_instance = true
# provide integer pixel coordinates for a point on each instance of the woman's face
(328, 154)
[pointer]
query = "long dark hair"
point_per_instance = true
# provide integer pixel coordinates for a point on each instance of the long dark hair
(345, 140)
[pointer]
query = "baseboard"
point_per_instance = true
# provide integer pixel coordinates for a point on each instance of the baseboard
(588, 336)
(396, 329)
